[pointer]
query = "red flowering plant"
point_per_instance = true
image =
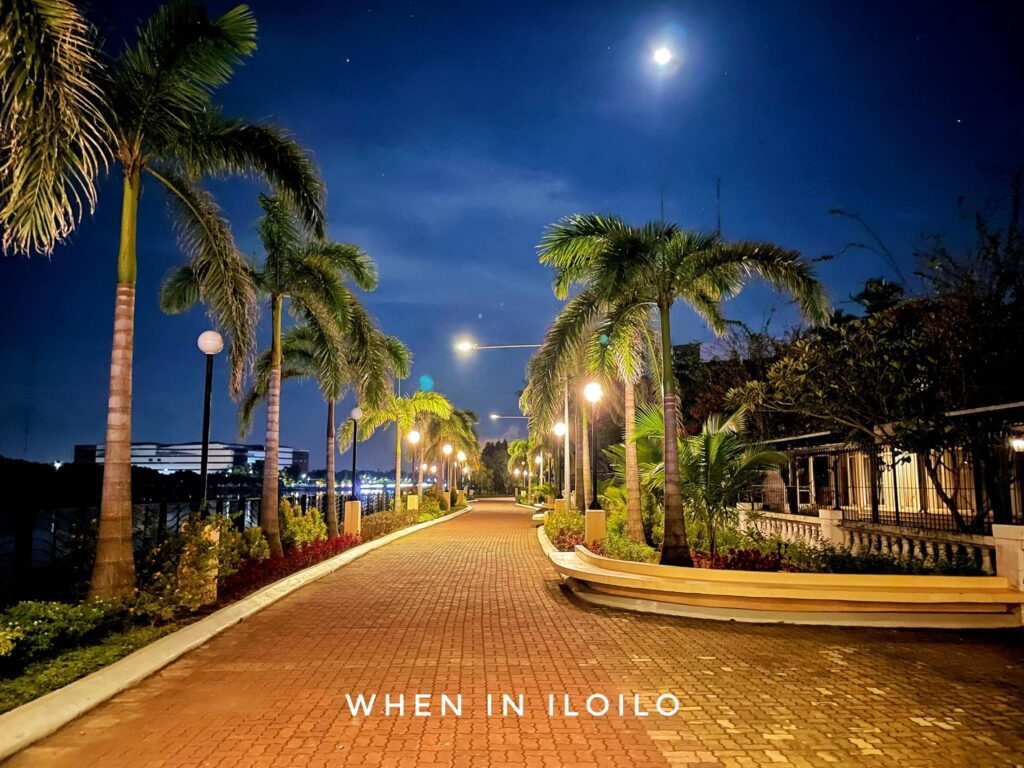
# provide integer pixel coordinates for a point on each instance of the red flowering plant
(253, 574)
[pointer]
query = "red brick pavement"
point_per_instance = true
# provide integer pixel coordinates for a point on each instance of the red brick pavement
(472, 606)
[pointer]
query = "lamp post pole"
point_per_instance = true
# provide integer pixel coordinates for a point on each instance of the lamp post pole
(593, 392)
(356, 414)
(210, 343)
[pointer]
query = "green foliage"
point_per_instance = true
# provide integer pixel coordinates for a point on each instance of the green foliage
(618, 545)
(237, 546)
(382, 523)
(430, 508)
(566, 521)
(31, 630)
(43, 676)
(298, 527)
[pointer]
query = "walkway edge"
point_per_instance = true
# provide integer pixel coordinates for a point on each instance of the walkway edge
(40, 717)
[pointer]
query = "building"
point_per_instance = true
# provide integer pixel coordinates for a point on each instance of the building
(186, 457)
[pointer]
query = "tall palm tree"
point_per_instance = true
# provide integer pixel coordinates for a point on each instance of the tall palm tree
(309, 272)
(519, 453)
(458, 429)
(367, 361)
(655, 265)
(166, 128)
(404, 411)
(55, 135)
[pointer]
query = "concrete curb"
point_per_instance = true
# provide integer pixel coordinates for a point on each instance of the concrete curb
(40, 717)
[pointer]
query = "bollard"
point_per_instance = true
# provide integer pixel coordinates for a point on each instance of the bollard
(595, 528)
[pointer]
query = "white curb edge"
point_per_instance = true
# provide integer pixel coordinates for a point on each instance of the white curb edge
(40, 717)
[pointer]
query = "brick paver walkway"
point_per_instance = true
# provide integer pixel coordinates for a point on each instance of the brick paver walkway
(471, 606)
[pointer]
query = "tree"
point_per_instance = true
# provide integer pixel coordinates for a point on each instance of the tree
(656, 265)
(494, 459)
(367, 361)
(165, 127)
(457, 429)
(716, 465)
(404, 411)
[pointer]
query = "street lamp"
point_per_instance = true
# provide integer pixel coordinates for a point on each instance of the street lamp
(593, 393)
(461, 457)
(356, 414)
(210, 343)
(495, 417)
(560, 430)
(466, 346)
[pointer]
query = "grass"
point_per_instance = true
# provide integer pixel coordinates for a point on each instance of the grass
(47, 675)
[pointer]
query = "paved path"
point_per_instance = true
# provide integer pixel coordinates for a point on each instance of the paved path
(472, 606)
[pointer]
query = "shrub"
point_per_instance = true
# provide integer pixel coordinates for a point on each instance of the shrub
(382, 523)
(741, 560)
(566, 541)
(562, 523)
(618, 545)
(430, 509)
(34, 630)
(298, 527)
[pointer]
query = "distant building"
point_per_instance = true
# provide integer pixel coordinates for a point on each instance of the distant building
(177, 457)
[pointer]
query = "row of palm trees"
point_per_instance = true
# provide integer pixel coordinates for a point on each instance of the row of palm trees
(70, 110)
(620, 283)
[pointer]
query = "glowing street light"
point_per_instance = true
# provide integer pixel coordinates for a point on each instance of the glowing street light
(210, 343)
(593, 392)
(496, 416)
(461, 456)
(662, 56)
(413, 437)
(465, 346)
(356, 414)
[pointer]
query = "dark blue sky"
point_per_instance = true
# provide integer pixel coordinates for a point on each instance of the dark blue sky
(450, 134)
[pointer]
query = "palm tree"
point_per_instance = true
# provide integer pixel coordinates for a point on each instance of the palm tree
(458, 429)
(404, 411)
(310, 273)
(367, 361)
(617, 342)
(655, 265)
(519, 453)
(55, 135)
(715, 466)
(165, 127)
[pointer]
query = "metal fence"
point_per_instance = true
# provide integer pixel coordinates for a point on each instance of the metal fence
(964, 489)
(49, 553)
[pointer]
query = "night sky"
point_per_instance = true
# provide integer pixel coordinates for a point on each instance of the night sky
(450, 134)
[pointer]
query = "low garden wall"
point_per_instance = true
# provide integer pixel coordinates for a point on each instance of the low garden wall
(1000, 554)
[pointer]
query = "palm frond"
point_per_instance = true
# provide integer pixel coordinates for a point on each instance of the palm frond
(214, 145)
(54, 134)
(225, 280)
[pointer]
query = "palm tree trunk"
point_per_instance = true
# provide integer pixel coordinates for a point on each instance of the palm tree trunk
(269, 501)
(676, 547)
(581, 501)
(584, 456)
(398, 467)
(113, 574)
(332, 496)
(634, 517)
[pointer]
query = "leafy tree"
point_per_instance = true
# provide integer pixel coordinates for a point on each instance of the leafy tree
(896, 375)
(494, 459)
(655, 265)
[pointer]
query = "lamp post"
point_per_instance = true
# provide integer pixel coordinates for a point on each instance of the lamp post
(209, 343)
(593, 393)
(356, 414)
(446, 449)
(461, 456)
(496, 416)
(560, 430)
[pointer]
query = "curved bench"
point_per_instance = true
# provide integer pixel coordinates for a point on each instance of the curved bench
(959, 602)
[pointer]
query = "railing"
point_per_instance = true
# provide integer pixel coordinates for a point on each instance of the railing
(963, 490)
(902, 542)
(916, 544)
(801, 528)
